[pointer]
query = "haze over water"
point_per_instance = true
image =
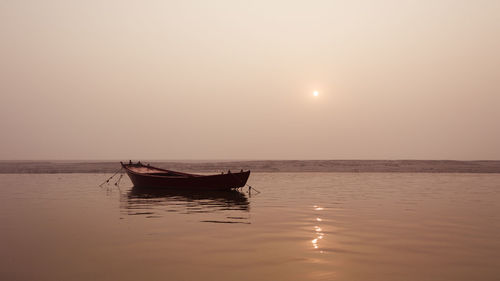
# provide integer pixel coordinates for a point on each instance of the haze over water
(228, 79)
(302, 226)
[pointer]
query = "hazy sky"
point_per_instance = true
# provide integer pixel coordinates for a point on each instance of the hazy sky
(235, 79)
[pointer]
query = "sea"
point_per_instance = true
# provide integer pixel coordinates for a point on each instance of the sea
(288, 226)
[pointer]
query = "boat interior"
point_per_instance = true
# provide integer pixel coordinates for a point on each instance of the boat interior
(149, 170)
(170, 174)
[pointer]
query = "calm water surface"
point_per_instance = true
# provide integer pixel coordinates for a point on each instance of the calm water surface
(302, 226)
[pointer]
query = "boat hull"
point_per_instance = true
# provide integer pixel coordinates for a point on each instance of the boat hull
(209, 182)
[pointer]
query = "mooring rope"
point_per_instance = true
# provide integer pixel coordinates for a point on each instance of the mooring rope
(118, 181)
(107, 181)
(241, 181)
(251, 187)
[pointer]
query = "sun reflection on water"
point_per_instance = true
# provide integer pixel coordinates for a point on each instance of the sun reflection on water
(318, 230)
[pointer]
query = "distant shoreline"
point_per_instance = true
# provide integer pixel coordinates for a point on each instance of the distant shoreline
(347, 166)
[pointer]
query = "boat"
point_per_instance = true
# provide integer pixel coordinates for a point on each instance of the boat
(152, 177)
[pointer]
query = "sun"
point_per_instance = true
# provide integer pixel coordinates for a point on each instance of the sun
(315, 93)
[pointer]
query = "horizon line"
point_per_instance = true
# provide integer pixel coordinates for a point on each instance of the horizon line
(236, 160)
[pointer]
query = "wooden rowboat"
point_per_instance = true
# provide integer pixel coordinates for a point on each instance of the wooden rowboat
(153, 177)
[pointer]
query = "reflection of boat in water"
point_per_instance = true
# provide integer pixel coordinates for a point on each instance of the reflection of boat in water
(151, 201)
(149, 176)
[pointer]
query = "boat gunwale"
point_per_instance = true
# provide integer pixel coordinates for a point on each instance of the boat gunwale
(187, 175)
